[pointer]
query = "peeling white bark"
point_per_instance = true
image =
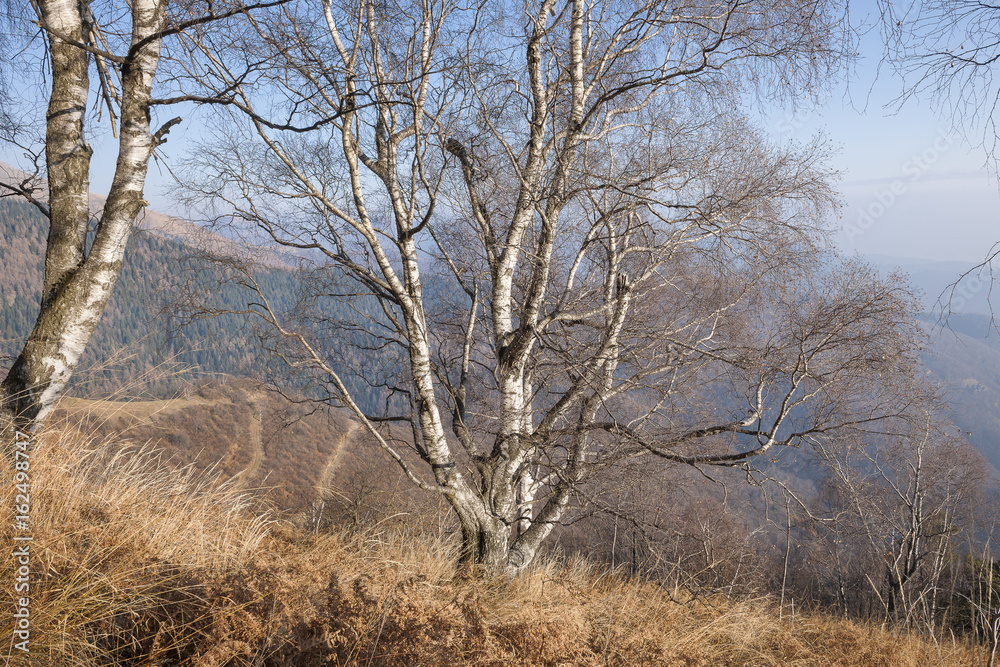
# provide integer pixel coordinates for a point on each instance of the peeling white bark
(77, 287)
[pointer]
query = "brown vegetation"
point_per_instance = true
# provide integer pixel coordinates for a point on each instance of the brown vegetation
(136, 565)
(275, 447)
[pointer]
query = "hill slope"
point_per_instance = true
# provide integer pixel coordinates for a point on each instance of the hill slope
(140, 330)
(965, 359)
(133, 566)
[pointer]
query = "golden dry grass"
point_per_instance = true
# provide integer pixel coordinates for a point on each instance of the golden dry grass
(137, 565)
(72, 408)
(113, 530)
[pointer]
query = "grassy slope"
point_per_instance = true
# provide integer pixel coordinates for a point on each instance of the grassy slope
(284, 452)
(138, 565)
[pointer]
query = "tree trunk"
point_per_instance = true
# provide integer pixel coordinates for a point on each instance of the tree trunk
(77, 286)
(484, 544)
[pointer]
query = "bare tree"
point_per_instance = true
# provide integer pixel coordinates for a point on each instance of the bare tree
(947, 50)
(582, 252)
(125, 52)
(908, 499)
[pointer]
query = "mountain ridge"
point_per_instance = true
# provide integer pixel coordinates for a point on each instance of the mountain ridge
(964, 357)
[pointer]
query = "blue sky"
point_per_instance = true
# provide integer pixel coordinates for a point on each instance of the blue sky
(910, 189)
(912, 185)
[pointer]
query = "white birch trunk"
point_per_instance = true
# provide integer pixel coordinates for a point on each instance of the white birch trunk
(77, 287)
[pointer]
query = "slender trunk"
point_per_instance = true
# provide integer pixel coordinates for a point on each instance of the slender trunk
(77, 287)
(788, 549)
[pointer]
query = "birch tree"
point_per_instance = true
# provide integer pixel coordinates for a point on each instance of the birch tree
(82, 39)
(902, 502)
(583, 250)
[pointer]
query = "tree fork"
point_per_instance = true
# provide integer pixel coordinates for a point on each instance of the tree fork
(77, 286)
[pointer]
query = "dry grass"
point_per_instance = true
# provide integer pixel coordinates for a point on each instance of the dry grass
(73, 408)
(114, 534)
(274, 446)
(137, 566)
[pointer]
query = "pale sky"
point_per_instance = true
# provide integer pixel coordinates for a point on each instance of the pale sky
(911, 186)
(910, 189)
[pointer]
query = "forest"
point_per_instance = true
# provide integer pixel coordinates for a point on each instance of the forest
(483, 299)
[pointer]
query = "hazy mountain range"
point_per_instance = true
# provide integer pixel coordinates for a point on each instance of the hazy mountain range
(964, 351)
(963, 354)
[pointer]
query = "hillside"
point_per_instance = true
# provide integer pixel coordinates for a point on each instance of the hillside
(965, 358)
(233, 442)
(140, 341)
(964, 352)
(141, 347)
(284, 452)
(138, 566)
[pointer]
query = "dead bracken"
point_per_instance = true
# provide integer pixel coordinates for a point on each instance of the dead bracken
(143, 566)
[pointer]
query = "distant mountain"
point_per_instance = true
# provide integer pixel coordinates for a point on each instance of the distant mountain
(938, 280)
(140, 330)
(966, 362)
(149, 220)
(964, 354)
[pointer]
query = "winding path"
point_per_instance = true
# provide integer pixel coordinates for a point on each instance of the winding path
(326, 477)
(256, 445)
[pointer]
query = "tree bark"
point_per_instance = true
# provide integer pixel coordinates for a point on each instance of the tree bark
(78, 284)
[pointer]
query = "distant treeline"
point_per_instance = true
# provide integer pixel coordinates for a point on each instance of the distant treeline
(146, 342)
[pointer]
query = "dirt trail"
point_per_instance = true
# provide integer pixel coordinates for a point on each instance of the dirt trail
(323, 483)
(139, 411)
(256, 442)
